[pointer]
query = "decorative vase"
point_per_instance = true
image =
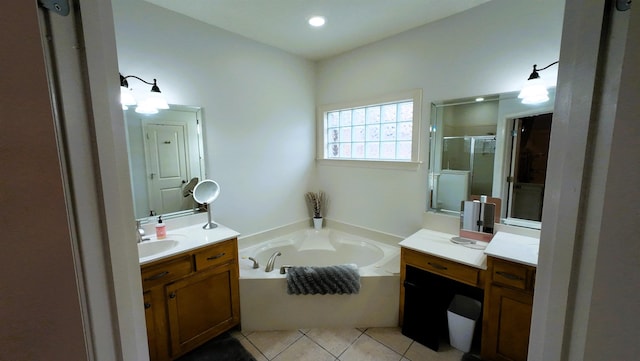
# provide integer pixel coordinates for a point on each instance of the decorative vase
(317, 223)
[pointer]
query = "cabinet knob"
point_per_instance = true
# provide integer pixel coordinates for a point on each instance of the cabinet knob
(147, 305)
(172, 295)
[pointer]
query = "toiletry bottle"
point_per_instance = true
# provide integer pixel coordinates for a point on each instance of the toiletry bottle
(161, 229)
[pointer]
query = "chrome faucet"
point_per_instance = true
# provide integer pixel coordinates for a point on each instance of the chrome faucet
(284, 268)
(272, 261)
(255, 262)
(140, 233)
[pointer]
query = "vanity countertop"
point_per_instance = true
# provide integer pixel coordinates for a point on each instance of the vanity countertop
(189, 238)
(512, 247)
(439, 244)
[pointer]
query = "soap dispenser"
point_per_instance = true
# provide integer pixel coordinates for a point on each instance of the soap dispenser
(161, 229)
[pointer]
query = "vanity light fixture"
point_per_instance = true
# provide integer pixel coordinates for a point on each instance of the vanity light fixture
(149, 105)
(534, 90)
(317, 21)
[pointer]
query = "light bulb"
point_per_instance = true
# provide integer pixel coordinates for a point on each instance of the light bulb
(534, 92)
(317, 21)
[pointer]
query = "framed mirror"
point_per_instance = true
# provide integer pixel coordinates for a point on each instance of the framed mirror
(490, 145)
(166, 160)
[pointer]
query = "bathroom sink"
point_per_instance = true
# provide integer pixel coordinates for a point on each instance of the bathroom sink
(150, 248)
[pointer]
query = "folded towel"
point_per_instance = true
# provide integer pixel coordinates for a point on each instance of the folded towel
(340, 279)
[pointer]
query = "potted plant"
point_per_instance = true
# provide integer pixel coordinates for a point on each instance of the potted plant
(316, 203)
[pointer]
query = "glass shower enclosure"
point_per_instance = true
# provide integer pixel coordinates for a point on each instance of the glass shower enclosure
(467, 162)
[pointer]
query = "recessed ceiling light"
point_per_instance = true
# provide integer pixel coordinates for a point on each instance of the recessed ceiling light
(479, 99)
(317, 21)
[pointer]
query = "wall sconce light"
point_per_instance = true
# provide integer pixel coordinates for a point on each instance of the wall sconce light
(534, 90)
(149, 105)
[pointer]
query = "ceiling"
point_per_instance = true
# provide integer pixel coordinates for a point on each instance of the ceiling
(350, 23)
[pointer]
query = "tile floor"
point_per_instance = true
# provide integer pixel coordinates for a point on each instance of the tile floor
(375, 344)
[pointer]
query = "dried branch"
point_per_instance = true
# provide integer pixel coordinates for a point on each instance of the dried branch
(316, 203)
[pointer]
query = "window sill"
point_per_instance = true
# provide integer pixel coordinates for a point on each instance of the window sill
(378, 164)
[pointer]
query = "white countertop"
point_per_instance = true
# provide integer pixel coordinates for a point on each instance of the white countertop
(512, 247)
(190, 238)
(439, 244)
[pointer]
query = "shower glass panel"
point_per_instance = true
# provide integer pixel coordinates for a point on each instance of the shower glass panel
(474, 154)
(484, 151)
(456, 153)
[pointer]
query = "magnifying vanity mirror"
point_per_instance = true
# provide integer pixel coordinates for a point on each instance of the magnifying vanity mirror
(205, 193)
(166, 160)
(490, 145)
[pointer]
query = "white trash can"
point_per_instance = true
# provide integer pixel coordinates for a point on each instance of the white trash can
(462, 315)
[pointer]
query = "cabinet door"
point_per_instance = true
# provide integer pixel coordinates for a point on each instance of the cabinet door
(151, 325)
(201, 307)
(508, 325)
(157, 333)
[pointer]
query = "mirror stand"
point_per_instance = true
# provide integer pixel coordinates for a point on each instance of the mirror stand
(209, 224)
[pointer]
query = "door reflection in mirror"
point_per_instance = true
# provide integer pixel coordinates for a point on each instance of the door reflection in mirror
(528, 171)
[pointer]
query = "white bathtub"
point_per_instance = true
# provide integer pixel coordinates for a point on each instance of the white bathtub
(265, 304)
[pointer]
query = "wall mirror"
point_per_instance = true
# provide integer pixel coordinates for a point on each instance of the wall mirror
(490, 145)
(166, 160)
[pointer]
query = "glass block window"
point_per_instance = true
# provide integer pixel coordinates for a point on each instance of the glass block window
(376, 130)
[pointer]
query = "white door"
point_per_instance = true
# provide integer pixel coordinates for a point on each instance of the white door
(166, 161)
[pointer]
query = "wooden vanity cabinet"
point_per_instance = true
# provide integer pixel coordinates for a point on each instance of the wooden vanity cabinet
(507, 311)
(190, 298)
(452, 270)
(449, 269)
(428, 284)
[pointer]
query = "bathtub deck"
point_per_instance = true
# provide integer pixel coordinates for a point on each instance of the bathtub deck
(265, 305)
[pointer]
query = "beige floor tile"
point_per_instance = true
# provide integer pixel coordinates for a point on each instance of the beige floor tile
(418, 352)
(304, 349)
(367, 349)
(391, 337)
(252, 349)
(449, 353)
(271, 343)
(334, 340)
(246, 333)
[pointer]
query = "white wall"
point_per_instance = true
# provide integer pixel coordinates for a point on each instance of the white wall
(488, 49)
(259, 102)
(258, 105)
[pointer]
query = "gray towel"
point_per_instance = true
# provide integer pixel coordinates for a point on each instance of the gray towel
(340, 279)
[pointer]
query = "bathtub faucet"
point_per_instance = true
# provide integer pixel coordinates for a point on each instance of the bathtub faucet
(272, 261)
(255, 262)
(284, 268)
